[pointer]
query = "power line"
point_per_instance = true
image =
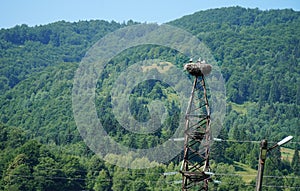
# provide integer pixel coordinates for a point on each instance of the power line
(274, 186)
(230, 140)
(245, 141)
(46, 177)
(171, 173)
(171, 183)
(254, 175)
(215, 139)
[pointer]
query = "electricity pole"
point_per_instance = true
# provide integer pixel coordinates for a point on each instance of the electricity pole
(261, 164)
(195, 166)
(262, 158)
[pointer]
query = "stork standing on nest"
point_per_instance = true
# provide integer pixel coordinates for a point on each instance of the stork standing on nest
(199, 68)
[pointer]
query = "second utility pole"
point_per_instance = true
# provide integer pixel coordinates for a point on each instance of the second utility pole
(261, 164)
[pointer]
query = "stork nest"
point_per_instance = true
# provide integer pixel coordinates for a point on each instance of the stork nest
(198, 69)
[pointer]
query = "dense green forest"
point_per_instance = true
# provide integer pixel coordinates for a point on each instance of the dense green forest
(41, 149)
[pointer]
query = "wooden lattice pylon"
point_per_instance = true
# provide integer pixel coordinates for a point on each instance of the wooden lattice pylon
(195, 167)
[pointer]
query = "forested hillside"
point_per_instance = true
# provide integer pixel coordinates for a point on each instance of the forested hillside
(41, 149)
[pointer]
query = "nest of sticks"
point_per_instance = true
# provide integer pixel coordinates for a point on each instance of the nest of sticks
(198, 68)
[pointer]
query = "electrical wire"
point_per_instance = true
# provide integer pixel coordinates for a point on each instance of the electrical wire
(215, 139)
(254, 175)
(171, 183)
(173, 173)
(273, 186)
(284, 177)
(248, 141)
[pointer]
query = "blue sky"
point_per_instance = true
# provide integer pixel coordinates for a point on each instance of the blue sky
(39, 12)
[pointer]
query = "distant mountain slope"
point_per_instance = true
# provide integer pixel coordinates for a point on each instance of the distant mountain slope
(238, 16)
(26, 50)
(258, 51)
(41, 104)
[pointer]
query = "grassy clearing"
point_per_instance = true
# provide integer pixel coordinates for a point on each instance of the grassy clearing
(287, 154)
(248, 174)
(162, 67)
(241, 108)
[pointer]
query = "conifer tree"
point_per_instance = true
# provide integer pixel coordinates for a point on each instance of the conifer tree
(296, 162)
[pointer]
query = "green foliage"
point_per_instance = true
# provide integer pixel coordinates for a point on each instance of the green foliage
(45, 172)
(102, 181)
(18, 177)
(296, 162)
(230, 180)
